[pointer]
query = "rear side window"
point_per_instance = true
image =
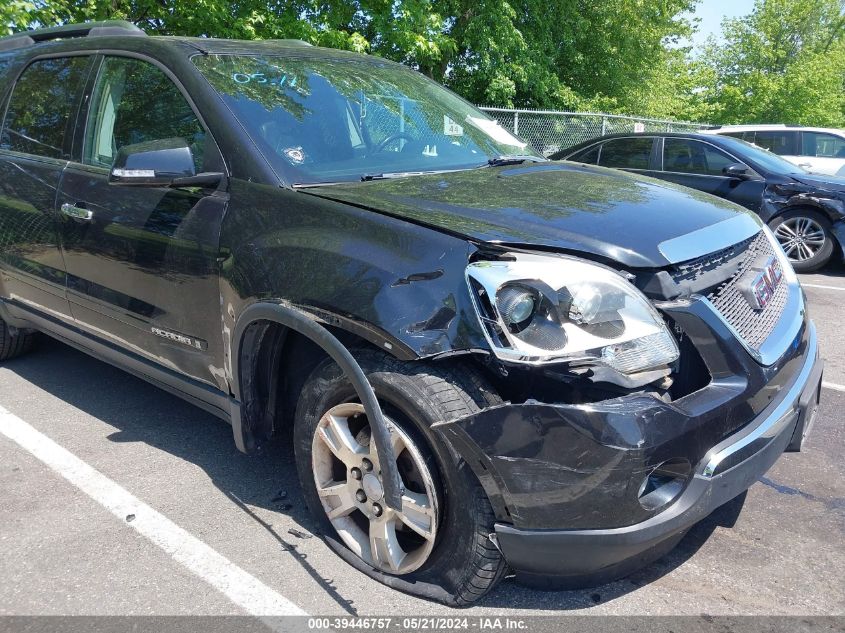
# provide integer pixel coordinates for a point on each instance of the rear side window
(823, 145)
(688, 156)
(134, 102)
(779, 142)
(589, 155)
(627, 153)
(42, 110)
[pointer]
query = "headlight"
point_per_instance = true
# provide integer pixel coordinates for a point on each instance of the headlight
(541, 309)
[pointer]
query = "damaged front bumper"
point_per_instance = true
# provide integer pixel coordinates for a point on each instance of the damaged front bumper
(588, 493)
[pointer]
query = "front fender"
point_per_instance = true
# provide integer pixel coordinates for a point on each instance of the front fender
(396, 284)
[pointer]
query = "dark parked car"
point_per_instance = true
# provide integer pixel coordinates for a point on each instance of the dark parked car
(483, 359)
(805, 211)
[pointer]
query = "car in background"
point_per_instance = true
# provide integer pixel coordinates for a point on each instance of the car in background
(804, 210)
(815, 149)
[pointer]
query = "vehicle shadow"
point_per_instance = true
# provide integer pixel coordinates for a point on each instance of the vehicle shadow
(268, 479)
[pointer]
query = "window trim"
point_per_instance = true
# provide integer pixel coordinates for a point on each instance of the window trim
(82, 115)
(80, 98)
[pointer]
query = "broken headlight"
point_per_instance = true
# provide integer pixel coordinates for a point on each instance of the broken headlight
(543, 309)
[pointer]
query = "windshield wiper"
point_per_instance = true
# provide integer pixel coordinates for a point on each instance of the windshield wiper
(515, 159)
(403, 174)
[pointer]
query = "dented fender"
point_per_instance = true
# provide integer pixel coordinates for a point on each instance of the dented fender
(397, 285)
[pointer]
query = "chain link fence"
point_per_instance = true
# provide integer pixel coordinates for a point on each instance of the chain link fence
(549, 131)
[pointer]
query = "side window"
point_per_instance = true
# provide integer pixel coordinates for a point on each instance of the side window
(589, 155)
(134, 102)
(630, 153)
(783, 142)
(823, 145)
(41, 109)
(687, 156)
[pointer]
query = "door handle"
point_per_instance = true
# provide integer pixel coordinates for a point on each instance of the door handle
(77, 213)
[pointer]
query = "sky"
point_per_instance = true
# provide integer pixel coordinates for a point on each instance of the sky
(712, 12)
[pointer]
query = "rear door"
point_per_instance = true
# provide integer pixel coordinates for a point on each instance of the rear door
(699, 165)
(823, 152)
(142, 264)
(35, 144)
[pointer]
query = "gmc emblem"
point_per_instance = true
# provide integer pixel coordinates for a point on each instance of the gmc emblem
(759, 285)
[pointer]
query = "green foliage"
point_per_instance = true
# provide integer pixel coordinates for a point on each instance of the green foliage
(784, 62)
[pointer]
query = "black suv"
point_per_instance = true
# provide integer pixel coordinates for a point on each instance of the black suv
(483, 359)
(805, 211)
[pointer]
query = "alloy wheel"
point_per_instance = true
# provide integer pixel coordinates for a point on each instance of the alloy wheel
(349, 484)
(802, 238)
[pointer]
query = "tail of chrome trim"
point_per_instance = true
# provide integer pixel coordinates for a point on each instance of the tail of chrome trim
(732, 451)
(710, 238)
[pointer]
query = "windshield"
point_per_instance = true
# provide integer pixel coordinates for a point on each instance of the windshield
(772, 163)
(323, 120)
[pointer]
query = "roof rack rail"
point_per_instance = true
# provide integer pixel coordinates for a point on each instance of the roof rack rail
(88, 29)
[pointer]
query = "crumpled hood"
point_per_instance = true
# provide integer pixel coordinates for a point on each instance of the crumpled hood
(631, 219)
(821, 181)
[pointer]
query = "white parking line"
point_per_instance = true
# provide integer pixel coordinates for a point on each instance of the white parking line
(246, 591)
(806, 285)
(833, 386)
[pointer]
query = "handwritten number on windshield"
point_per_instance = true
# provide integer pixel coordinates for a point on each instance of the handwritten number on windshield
(261, 78)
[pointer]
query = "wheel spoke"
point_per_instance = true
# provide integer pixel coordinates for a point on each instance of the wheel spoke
(339, 497)
(785, 231)
(384, 547)
(789, 248)
(417, 513)
(337, 437)
(804, 251)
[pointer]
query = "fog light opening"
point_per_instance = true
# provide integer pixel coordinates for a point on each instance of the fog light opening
(664, 483)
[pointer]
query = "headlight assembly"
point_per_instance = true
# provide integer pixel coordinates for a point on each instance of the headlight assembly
(539, 309)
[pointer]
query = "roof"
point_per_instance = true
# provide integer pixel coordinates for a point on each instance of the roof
(87, 35)
(755, 127)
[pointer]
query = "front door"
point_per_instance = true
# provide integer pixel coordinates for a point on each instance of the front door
(34, 149)
(142, 261)
(699, 165)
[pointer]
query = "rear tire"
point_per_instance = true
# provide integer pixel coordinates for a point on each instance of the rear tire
(805, 237)
(12, 345)
(463, 564)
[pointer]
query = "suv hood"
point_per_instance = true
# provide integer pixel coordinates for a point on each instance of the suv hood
(630, 219)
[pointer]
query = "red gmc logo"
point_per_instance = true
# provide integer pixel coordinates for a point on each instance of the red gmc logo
(761, 288)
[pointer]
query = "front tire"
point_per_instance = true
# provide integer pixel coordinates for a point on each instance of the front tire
(436, 548)
(12, 345)
(805, 237)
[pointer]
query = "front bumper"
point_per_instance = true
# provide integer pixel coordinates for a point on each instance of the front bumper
(622, 447)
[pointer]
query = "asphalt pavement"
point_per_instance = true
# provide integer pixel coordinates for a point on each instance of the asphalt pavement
(129, 501)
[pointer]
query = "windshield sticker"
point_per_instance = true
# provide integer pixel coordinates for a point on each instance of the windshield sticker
(496, 131)
(281, 82)
(450, 128)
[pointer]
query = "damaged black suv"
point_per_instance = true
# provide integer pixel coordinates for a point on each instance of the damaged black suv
(484, 359)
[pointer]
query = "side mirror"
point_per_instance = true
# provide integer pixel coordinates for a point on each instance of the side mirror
(736, 170)
(162, 163)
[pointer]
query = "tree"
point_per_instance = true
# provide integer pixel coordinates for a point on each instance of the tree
(785, 62)
(562, 54)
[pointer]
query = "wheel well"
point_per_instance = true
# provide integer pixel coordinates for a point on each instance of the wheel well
(275, 362)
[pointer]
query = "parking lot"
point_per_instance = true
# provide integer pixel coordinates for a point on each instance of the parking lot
(155, 512)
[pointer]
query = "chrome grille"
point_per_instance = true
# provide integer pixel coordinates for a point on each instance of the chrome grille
(753, 326)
